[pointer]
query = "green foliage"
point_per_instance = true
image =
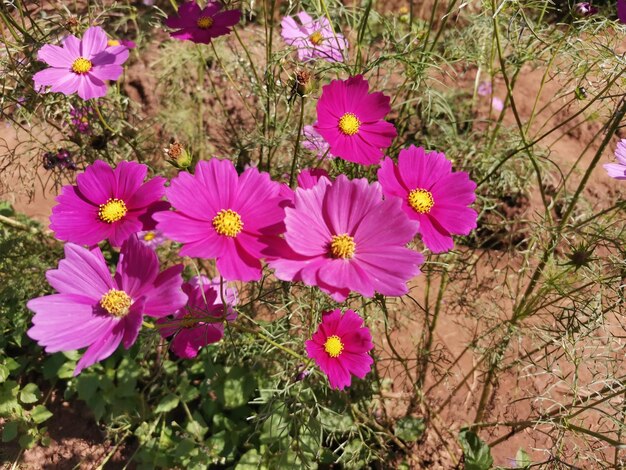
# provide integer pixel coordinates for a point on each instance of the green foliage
(476, 453)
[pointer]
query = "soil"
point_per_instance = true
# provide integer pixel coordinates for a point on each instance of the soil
(78, 441)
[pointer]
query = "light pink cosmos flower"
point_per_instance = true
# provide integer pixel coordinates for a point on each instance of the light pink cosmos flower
(485, 89)
(80, 66)
(201, 321)
(107, 203)
(313, 38)
(343, 236)
(151, 238)
(340, 347)
(432, 194)
(618, 170)
(98, 311)
(222, 215)
(350, 119)
(202, 25)
(497, 104)
(314, 142)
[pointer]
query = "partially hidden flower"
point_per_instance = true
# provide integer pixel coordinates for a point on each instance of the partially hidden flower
(584, 9)
(81, 65)
(497, 104)
(352, 121)
(127, 43)
(220, 214)
(79, 117)
(202, 25)
(432, 194)
(107, 204)
(621, 11)
(618, 170)
(96, 310)
(485, 89)
(342, 236)
(314, 142)
(340, 347)
(201, 321)
(61, 159)
(151, 238)
(309, 177)
(313, 38)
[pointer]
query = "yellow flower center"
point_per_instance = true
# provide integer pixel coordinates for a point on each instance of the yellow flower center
(316, 38)
(112, 210)
(116, 302)
(342, 246)
(205, 22)
(349, 124)
(333, 346)
(227, 222)
(113, 42)
(81, 65)
(149, 236)
(421, 200)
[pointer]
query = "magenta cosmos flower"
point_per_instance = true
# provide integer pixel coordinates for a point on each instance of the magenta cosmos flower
(621, 10)
(96, 310)
(224, 216)
(342, 236)
(201, 321)
(313, 38)
(80, 66)
(350, 119)
(107, 204)
(202, 25)
(340, 347)
(432, 194)
(618, 170)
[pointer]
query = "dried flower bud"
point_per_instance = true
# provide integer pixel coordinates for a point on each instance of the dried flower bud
(178, 155)
(305, 82)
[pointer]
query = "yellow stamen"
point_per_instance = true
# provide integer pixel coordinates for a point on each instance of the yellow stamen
(349, 124)
(421, 200)
(81, 65)
(227, 222)
(116, 302)
(149, 236)
(113, 42)
(333, 346)
(342, 246)
(316, 38)
(205, 22)
(112, 210)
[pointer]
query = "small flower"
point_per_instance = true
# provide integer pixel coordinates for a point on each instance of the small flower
(222, 215)
(432, 194)
(343, 236)
(350, 119)
(62, 159)
(80, 66)
(314, 142)
(340, 347)
(201, 321)
(584, 9)
(80, 119)
(485, 89)
(497, 104)
(98, 311)
(107, 203)
(202, 25)
(313, 38)
(618, 170)
(151, 238)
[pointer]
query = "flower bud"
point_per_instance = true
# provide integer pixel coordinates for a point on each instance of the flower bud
(178, 155)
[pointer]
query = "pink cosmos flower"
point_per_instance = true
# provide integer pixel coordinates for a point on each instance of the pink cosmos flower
(224, 216)
(342, 236)
(432, 194)
(107, 204)
(314, 142)
(313, 38)
(340, 347)
(126, 43)
(497, 104)
(350, 119)
(201, 321)
(485, 89)
(151, 238)
(618, 170)
(310, 176)
(98, 311)
(202, 25)
(81, 66)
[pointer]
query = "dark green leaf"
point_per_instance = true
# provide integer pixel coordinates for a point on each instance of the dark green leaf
(477, 454)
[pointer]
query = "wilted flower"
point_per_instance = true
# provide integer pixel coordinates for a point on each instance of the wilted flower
(178, 155)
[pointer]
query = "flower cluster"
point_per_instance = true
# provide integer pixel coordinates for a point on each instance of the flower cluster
(340, 235)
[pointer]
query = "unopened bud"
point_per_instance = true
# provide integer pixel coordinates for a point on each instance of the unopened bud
(178, 155)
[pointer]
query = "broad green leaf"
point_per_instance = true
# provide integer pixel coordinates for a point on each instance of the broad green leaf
(477, 454)
(4, 373)
(30, 393)
(39, 414)
(10, 431)
(167, 403)
(522, 459)
(410, 429)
